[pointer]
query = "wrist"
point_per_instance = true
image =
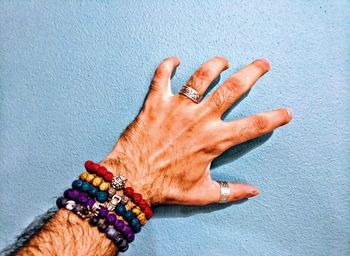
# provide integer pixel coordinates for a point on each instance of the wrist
(120, 164)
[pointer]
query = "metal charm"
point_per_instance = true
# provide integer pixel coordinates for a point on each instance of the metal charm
(89, 212)
(125, 199)
(85, 212)
(113, 203)
(118, 182)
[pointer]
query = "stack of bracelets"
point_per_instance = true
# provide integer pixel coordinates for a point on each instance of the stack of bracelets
(103, 199)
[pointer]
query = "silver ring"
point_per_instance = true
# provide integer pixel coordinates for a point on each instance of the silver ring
(224, 191)
(191, 93)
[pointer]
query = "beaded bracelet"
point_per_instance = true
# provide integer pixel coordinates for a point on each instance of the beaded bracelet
(118, 183)
(101, 196)
(106, 226)
(101, 171)
(111, 232)
(128, 216)
(118, 224)
(137, 199)
(141, 216)
(95, 180)
(92, 209)
(91, 190)
(118, 206)
(116, 199)
(108, 212)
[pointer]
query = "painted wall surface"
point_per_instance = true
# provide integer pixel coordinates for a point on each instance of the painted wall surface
(74, 74)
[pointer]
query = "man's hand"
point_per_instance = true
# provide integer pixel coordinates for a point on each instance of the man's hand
(167, 150)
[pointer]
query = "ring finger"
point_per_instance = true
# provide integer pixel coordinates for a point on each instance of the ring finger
(206, 74)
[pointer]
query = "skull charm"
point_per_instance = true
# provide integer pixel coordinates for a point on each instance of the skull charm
(118, 182)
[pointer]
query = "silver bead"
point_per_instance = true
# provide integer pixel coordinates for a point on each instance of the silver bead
(125, 199)
(111, 192)
(118, 182)
(97, 206)
(70, 205)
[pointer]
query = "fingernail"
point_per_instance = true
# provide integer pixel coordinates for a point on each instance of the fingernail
(266, 61)
(290, 113)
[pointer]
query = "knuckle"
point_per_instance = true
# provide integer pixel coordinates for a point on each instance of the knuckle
(211, 149)
(260, 124)
(221, 97)
(155, 85)
(195, 83)
(202, 74)
(235, 84)
(215, 101)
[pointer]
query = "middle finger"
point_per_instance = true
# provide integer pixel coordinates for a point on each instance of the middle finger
(236, 85)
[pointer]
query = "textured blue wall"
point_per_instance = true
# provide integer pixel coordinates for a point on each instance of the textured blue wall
(74, 74)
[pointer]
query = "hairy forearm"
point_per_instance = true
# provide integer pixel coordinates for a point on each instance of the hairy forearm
(67, 234)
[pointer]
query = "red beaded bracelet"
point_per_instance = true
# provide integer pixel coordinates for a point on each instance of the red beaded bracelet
(101, 171)
(137, 199)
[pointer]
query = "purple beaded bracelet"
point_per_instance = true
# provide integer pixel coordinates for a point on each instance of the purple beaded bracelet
(82, 198)
(103, 224)
(102, 212)
(120, 225)
(86, 207)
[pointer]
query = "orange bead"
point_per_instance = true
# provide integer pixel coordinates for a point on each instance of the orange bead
(97, 181)
(84, 175)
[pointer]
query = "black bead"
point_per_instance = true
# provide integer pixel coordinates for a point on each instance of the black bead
(94, 221)
(102, 225)
(61, 202)
(123, 248)
(103, 228)
(119, 239)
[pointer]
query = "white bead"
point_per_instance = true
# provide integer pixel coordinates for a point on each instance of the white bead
(70, 205)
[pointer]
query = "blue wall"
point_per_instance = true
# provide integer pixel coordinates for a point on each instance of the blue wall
(67, 68)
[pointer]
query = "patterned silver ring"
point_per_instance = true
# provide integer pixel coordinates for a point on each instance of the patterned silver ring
(224, 191)
(191, 93)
